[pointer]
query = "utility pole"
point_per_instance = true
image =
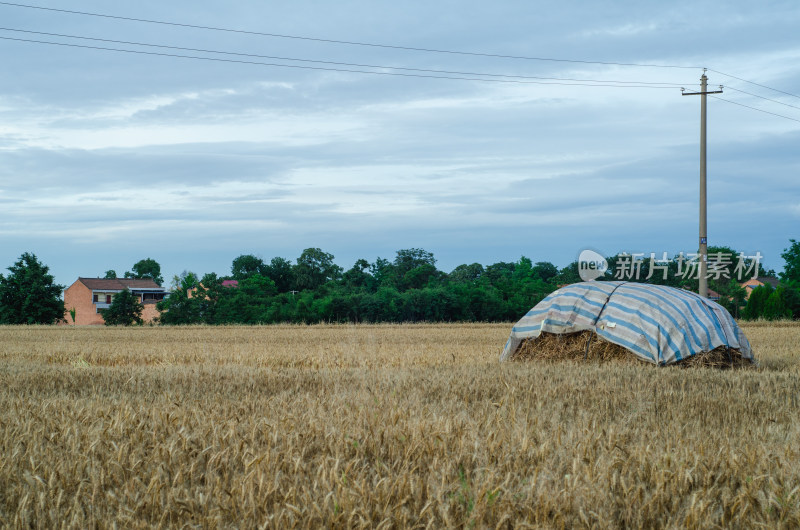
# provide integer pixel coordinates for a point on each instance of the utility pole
(703, 288)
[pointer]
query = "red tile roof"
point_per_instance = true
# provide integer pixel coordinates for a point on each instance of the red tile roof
(752, 283)
(118, 284)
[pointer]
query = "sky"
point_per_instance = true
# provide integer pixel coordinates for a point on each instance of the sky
(110, 157)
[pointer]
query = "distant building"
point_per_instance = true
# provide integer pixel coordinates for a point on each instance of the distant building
(225, 283)
(89, 296)
(752, 283)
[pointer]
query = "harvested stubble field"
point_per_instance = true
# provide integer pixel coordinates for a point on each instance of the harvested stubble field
(386, 426)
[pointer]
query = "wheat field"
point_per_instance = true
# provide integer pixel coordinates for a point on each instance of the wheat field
(386, 426)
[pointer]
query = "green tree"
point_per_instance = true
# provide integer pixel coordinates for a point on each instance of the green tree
(384, 272)
(111, 274)
(411, 258)
(144, 269)
(791, 297)
(125, 310)
(186, 304)
(733, 297)
(211, 291)
(358, 278)
(248, 303)
(28, 295)
(466, 273)
(246, 266)
(499, 274)
(314, 268)
(791, 257)
(775, 306)
(281, 272)
(420, 276)
(186, 279)
(755, 304)
(569, 274)
(545, 270)
(523, 271)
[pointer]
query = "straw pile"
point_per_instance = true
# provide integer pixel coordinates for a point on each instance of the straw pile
(586, 346)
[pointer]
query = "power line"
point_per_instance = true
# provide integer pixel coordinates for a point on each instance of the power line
(754, 83)
(754, 108)
(340, 63)
(387, 46)
(350, 43)
(303, 67)
(762, 97)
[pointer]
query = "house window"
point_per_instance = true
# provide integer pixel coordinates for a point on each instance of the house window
(94, 298)
(108, 298)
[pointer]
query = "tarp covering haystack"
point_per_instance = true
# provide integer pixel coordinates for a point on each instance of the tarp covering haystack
(655, 323)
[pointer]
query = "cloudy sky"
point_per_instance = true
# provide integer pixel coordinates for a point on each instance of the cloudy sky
(108, 157)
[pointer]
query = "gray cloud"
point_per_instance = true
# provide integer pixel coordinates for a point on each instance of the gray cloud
(107, 158)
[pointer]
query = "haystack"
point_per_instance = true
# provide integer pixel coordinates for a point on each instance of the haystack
(629, 322)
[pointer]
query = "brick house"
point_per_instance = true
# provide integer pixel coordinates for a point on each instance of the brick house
(90, 295)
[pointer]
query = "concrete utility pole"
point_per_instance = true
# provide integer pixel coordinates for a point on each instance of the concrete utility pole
(703, 288)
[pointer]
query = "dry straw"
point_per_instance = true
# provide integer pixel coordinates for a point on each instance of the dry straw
(413, 426)
(589, 347)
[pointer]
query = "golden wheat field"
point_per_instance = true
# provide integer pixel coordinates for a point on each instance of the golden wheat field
(386, 426)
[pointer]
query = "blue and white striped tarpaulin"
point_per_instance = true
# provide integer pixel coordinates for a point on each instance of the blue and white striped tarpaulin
(659, 324)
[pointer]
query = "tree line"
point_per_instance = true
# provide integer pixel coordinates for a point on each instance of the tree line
(407, 288)
(410, 288)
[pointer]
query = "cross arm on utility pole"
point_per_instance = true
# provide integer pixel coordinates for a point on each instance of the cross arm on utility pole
(683, 93)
